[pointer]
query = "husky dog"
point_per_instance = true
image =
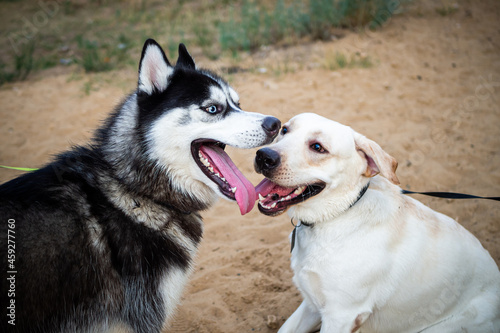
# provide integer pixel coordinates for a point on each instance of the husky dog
(106, 234)
(365, 257)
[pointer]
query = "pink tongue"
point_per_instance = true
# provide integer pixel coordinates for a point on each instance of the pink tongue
(266, 186)
(245, 192)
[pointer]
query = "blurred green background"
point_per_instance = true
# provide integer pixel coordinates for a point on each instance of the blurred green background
(108, 34)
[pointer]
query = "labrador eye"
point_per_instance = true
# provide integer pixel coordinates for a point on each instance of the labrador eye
(284, 130)
(212, 109)
(318, 148)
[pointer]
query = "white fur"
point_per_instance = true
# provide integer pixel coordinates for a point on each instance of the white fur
(170, 143)
(155, 72)
(171, 288)
(386, 264)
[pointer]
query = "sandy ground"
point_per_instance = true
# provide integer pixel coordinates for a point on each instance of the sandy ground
(431, 100)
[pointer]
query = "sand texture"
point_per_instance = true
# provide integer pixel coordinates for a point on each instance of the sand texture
(430, 99)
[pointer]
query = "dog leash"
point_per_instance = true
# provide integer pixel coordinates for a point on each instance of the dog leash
(17, 168)
(445, 195)
(450, 195)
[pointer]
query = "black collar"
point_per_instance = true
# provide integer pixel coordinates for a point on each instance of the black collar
(360, 195)
(307, 224)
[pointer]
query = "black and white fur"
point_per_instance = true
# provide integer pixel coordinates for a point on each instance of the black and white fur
(106, 234)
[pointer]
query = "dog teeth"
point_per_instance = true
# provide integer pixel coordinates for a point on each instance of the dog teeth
(206, 163)
(220, 176)
(268, 207)
(204, 160)
(262, 199)
(299, 190)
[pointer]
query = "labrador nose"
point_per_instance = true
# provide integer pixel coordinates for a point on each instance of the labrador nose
(271, 126)
(266, 159)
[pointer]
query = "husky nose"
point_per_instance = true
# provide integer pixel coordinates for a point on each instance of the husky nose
(271, 126)
(266, 159)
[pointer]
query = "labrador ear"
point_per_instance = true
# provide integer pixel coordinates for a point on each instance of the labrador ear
(154, 69)
(185, 59)
(377, 160)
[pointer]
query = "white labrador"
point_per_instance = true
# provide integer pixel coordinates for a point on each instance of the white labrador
(366, 257)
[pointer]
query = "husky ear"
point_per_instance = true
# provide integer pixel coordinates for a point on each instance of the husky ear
(377, 160)
(154, 68)
(185, 59)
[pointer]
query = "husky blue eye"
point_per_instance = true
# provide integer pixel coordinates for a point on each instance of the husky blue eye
(284, 130)
(211, 109)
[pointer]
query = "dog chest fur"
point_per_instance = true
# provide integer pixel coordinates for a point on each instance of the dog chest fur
(120, 265)
(375, 264)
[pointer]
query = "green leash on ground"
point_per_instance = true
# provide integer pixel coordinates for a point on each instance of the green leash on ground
(17, 168)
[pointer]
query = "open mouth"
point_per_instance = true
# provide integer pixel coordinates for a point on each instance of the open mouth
(275, 199)
(218, 167)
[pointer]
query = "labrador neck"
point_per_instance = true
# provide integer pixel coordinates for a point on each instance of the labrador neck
(311, 224)
(337, 207)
